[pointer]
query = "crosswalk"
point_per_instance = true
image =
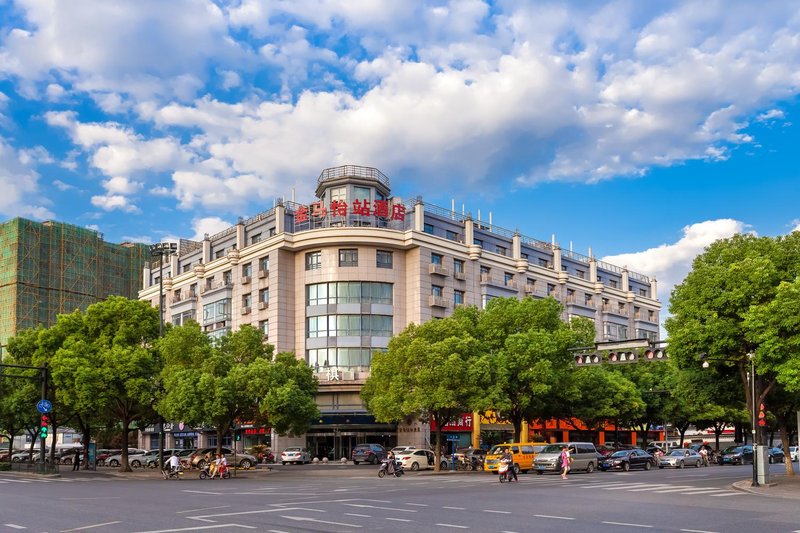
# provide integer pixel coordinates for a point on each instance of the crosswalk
(6, 480)
(622, 485)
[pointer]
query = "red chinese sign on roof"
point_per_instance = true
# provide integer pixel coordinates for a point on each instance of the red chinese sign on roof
(339, 208)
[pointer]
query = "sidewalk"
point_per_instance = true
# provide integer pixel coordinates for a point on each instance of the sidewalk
(781, 486)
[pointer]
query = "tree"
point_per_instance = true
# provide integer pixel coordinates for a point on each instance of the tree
(710, 307)
(107, 366)
(430, 371)
(528, 353)
(602, 394)
(235, 378)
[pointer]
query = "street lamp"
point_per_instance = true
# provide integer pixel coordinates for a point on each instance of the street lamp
(161, 250)
(751, 377)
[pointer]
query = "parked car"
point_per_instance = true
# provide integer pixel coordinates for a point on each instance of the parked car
(584, 457)
(296, 455)
(681, 457)
(738, 455)
(793, 452)
(5, 455)
(776, 455)
(627, 459)
(116, 460)
(415, 459)
(368, 453)
(103, 454)
(712, 455)
(402, 449)
(150, 459)
(197, 458)
(725, 451)
(471, 456)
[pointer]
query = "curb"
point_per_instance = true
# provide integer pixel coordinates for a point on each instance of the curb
(746, 486)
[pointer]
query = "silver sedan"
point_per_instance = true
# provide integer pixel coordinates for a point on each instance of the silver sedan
(680, 458)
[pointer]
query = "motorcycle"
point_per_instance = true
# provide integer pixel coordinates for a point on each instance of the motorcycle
(502, 471)
(224, 472)
(170, 473)
(398, 468)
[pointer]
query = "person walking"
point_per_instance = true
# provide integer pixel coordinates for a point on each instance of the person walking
(76, 461)
(565, 460)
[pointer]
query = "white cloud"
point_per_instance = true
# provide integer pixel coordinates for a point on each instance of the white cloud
(771, 115)
(19, 183)
(796, 224)
(669, 263)
(111, 202)
(208, 226)
(63, 186)
(121, 185)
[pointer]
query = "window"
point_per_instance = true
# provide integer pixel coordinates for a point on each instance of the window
(219, 253)
(263, 296)
(361, 193)
(436, 259)
(588, 300)
(612, 283)
(616, 332)
(255, 238)
(458, 266)
(247, 269)
(451, 235)
(187, 268)
(272, 232)
(324, 358)
(156, 280)
(485, 271)
(581, 274)
(182, 318)
(458, 297)
(642, 292)
(313, 260)
(651, 316)
(437, 290)
(564, 268)
(551, 290)
(502, 250)
(263, 264)
(227, 278)
(508, 279)
(339, 193)
(348, 257)
(524, 256)
(543, 262)
(621, 308)
(428, 228)
(344, 292)
(571, 295)
(383, 259)
(247, 300)
(217, 311)
(263, 326)
(478, 242)
(193, 290)
(349, 326)
(209, 282)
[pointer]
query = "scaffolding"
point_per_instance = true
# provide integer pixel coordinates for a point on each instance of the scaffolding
(52, 268)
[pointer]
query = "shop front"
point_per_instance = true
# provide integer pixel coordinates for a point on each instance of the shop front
(335, 436)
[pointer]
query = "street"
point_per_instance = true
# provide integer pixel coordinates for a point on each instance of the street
(353, 498)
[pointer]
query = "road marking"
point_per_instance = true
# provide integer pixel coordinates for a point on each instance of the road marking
(93, 498)
(202, 509)
(629, 486)
(418, 504)
(359, 515)
(196, 528)
(16, 480)
(259, 511)
(379, 507)
(90, 527)
(304, 519)
(724, 494)
(498, 512)
(455, 508)
(553, 517)
(676, 489)
(399, 519)
(699, 531)
(15, 526)
(203, 492)
(625, 524)
(705, 491)
(276, 531)
(453, 525)
(651, 487)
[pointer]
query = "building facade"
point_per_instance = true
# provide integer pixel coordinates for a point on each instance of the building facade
(50, 268)
(334, 280)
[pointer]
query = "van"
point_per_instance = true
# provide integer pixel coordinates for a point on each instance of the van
(584, 457)
(524, 453)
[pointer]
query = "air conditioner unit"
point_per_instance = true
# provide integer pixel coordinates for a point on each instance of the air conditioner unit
(245, 280)
(263, 305)
(245, 310)
(460, 275)
(263, 273)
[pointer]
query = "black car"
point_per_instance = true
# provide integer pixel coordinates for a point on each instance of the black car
(737, 455)
(627, 459)
(776, 455)
(368, 453)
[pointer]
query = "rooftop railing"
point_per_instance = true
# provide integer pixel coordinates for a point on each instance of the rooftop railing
(355, 171)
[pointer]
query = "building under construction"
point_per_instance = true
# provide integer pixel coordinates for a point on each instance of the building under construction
(51, 268)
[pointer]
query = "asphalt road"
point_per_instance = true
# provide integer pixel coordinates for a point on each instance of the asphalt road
(353, 498)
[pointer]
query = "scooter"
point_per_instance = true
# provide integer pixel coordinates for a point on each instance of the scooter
(170, 473)
(398, 468)
(223, 472)
(503, 471)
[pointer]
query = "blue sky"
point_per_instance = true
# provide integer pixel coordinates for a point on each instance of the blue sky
(643, 130)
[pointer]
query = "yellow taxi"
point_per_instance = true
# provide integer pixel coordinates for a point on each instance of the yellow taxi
(523, 452)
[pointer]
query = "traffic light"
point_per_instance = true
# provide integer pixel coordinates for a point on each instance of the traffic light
(629, 356)
(762, 416)
(658, 354)
(238, 435)
(43, 429)
(585, 359)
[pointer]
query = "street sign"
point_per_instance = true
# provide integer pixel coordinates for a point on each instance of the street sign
(452, 438)
(44, 406)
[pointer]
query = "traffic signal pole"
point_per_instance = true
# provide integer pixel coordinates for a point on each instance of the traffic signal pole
(43, 380)
(43, 444)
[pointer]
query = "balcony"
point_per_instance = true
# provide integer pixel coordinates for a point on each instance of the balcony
(263, 274)
(615, 310)
(262, 305)
(245, 280)
(460, 275)
(177, 298)
(439, 270)
(438, 301)
(246, 310)
(644, 317)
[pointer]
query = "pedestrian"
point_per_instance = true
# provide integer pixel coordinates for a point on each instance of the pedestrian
(565, 461)
(76, 462)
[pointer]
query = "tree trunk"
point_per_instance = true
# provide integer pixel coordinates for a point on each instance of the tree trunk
(719, 427)
(86, 432)
(124, 466)
(786, 454)
(219, 440)
(437, 452)
(682, 432)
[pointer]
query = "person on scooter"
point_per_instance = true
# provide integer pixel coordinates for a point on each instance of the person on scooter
(174, 463)
(390, 465)
(508, 457)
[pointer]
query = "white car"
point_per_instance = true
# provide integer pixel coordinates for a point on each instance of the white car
(418, 459)
(793, 452)
(295, 455)
(680, 458)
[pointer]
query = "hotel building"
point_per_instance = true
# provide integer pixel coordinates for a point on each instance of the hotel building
(334, 280)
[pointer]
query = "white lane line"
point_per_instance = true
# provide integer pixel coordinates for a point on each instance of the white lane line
(418, 504)
(553, 517)
(699, 531)
(453, 525)
(15, 526)
(16, 480)
(493, 511)
(630, 486)
(276, 531)
(399, 519)
(652, 487)
(704, 491)
(455, 508)
(304, 519)
(359, 515)
(724, 494)
(599, 485)
(90, 527)
(202, 509)
(258, 511)
(203, 492)
(625, 524)
(380, 507)
(196, 528)
(676, 489)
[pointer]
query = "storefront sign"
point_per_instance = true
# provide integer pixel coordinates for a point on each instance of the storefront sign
(184, 434)
(256, 431)
(338, 208)
(462, 423)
